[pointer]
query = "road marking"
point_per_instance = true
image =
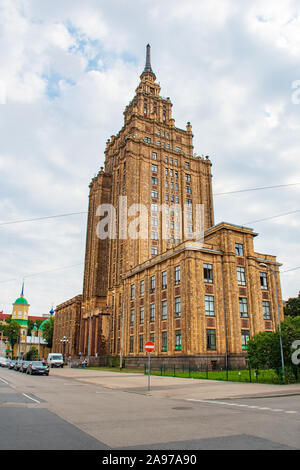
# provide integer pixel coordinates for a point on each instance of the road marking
(253, 407)
(7, 383)
(2, 380)
(31, 398)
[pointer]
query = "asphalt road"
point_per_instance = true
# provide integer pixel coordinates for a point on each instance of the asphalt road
(57, 412)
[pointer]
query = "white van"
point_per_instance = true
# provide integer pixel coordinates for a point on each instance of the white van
(55, 360)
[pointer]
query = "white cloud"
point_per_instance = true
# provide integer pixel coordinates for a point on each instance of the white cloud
(67, 72)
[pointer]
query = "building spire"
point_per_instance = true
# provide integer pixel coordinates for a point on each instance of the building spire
(148, 68)
(22, 291)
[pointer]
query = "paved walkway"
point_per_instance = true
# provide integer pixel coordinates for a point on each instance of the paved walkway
(175, 387)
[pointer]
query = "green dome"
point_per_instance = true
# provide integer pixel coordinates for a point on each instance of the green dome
(43, 324)
(21, 301)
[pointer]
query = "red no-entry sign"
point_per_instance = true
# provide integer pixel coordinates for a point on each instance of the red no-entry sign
(149, 346)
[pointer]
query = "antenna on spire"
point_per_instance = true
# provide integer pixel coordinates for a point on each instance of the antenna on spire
(148, 68)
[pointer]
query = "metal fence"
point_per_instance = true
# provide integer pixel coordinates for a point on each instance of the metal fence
(248, 375)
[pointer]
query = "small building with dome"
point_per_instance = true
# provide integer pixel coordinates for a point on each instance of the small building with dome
(20, 314)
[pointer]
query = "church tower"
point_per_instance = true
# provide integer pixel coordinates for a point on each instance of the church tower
(20, 315)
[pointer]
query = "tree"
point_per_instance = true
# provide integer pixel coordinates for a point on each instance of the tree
(31, 355)
(12, 333)
(47, 331)
(264, 348)
(292, 307)
(261, 349)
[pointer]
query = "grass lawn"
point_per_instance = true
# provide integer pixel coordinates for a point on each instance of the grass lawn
(264, 376)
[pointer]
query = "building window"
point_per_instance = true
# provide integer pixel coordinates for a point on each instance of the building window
(211, 340)
(141, 343)
(142, 315)
(178, 340)
(154, 180)
(154, 236)
(164, 341)
(241, 276)
(187, 177)
(166, 172)
(239, 249)
(188, 201)
(152, 337)
(147, 140)
(167, 196)
(164, 280)
(245, 338)
(154, 208)
(131, 344)
(154, 250)
(154, 155)
(243, 307)
(209, 305)
(164, 310)
(177, 275)
(188, 189)
(166, 159)
(187, 165)
(152, 312)
(152, 284)
(154, 194)
(154, 168)
(208, 273)
(132, 292)
(132, 317)
(177, 307)
(263, 280)
(154, 221)
(266, 310)
(142, 288)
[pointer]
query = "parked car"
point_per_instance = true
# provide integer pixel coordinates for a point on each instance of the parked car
(37, 367)
(18, 364)
(55, 360)
(4, 362)
(12, 364)
(24, 366)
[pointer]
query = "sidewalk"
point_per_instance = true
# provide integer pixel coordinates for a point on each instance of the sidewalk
(175, 387)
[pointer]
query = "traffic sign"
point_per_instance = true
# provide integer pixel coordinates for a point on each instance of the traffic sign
(149, 346)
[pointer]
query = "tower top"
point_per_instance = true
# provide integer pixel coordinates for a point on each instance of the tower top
(148, 68)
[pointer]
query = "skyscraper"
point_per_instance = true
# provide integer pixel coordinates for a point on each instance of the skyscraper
(156, 266)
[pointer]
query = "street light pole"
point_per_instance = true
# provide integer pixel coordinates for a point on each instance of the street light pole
(278, 313)
(122, 332)
(64, 340)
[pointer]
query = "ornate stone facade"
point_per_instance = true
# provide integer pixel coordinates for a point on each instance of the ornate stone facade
(67, 323)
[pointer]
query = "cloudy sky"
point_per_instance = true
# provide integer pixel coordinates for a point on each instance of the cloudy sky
(69, 68)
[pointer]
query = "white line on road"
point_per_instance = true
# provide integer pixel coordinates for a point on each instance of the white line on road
(7, 383)
(2, 380)
(254, 407)
(31, 398)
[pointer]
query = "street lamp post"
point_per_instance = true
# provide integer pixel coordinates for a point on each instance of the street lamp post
(278, 313)
(122, 333)
(63, 341)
